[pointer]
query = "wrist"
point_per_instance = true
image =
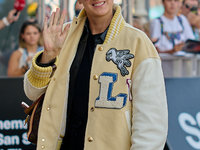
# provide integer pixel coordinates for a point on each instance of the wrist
(5, 21)
(51, 63)
(47, 57)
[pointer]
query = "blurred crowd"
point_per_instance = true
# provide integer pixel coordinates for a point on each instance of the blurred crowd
(30, 38)
(179, 24)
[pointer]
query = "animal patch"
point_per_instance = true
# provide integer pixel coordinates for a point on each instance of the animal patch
(120, 58)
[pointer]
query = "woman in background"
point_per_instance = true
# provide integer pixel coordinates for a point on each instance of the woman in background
(30, 42)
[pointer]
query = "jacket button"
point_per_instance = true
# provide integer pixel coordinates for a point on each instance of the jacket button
(95, 77)
(43, 140)
(47, 108)
(54, 79)
(90, 139)
(100, 48)
(43, 147)
(92, 109)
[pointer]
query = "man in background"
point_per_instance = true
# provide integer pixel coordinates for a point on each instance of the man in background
(190, 10)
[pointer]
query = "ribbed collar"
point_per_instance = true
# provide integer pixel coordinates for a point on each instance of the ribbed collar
(116, 25)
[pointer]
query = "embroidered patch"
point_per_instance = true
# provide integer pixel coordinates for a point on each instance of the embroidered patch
(120, 58)
(105, 99)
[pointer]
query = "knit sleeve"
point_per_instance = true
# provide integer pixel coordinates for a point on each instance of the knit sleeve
(40, 76)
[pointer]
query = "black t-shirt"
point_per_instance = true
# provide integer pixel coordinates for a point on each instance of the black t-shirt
(77, 112)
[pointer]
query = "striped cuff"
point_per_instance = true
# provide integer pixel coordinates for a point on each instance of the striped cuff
(40, 76)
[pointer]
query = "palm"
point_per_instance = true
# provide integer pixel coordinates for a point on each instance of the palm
(53, 40)
(53, 34)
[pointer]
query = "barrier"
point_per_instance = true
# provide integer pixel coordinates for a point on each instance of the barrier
(183, 104)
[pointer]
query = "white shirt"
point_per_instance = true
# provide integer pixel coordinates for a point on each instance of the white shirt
(170, 26)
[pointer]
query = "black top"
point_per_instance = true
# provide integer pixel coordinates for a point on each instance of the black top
(77, 111)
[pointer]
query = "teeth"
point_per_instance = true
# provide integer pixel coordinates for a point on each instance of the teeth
(99, 4)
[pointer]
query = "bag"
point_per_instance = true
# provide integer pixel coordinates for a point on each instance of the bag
(192, 46)
(33, 118)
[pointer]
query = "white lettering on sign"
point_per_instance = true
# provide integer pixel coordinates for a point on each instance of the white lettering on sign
(9, 140)
(188, 123)
(24, 139)
(12, 125)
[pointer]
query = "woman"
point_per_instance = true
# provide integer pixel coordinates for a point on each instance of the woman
(30, 43)
(107, 92)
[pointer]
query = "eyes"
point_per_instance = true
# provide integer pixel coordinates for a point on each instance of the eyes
(173, 0)
(29, 33)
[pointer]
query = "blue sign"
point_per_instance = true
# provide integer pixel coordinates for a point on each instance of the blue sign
(183, 95)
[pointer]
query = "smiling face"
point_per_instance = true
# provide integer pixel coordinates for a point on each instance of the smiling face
(97, 8)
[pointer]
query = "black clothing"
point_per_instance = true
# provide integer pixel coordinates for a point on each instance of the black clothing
(77, 111)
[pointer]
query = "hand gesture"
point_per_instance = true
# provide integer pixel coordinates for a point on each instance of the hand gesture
(11, 17)
(53, 35)
(193, 19)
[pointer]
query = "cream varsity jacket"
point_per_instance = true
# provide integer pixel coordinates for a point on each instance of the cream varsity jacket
(127, 100)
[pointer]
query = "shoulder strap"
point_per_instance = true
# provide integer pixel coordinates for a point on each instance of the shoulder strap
(181, 22)
(161, 24)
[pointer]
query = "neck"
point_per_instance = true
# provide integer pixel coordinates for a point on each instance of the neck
(169, 15)
(31, 48)
(100, 24)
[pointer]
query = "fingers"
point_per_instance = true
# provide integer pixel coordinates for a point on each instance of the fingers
(16, 17)
(45, 23)
(64, 33)
(56, 17)
(51, 19)
(12, 12)
(62, 18)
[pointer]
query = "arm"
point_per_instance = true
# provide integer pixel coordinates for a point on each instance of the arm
(2, 25)
(13, 65)
(149, 113)
(38, 77)
(9, 19)
(176, 48)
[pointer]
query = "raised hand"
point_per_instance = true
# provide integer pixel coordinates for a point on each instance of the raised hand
(11, 17)
(53, 35)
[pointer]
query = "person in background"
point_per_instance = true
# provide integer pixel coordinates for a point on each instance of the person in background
(190, 10)
(146, 29)
(6, 21)
(137, 23)
(169, 32)
(30, 43)
(77, 8)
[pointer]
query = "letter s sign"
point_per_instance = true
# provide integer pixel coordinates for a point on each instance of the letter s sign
(190, 129)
